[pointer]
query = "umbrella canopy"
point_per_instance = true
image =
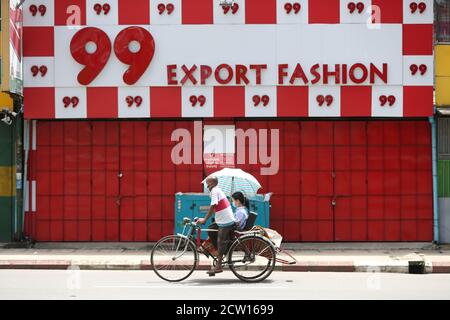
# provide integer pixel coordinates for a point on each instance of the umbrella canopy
(233, 180)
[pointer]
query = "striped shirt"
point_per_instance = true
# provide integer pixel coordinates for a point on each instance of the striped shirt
(224, 215)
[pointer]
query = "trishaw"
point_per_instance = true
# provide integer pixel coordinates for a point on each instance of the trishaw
(251, 256)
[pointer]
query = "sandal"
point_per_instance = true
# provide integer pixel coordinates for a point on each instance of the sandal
(213, 272)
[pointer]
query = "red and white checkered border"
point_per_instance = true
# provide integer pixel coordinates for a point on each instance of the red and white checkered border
(227, 101)
(147, 12)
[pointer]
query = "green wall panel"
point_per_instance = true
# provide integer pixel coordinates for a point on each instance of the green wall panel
(6, 209)
(444, 178)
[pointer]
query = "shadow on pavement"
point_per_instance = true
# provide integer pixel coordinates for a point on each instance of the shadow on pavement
(217, 281)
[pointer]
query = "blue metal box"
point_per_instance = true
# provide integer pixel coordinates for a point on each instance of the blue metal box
(193, 205)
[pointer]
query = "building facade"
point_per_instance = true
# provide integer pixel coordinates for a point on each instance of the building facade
(11, 162)
(443, 115)
(444, 176)
(342, 90)
(7, 175)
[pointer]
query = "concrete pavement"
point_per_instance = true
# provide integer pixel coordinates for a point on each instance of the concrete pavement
(73, 284)
(396, 258)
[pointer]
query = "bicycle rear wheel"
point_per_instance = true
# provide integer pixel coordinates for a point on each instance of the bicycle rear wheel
(252, 258)
(174, 258)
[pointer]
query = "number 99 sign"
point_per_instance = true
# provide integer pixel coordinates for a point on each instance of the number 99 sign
(94, 61)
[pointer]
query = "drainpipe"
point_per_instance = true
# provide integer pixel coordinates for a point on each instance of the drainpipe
(26, 191)
(435, 180)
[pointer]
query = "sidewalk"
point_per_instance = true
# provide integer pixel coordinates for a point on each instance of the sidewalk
(392, 257)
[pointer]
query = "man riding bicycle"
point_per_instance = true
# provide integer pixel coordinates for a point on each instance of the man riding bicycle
(224, 221)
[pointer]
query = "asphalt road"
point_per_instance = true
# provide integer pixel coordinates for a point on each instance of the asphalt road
(75, 284)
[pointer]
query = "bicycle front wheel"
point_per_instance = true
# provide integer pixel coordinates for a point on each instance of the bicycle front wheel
(252, 258)
(174, 258)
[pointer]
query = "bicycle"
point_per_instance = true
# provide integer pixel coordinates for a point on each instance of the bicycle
(251, 256)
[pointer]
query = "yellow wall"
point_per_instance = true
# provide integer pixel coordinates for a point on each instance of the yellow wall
(442, 52)
(1, 16)
(5, 99)
(7, 184)
(1, 43)
(4, 45)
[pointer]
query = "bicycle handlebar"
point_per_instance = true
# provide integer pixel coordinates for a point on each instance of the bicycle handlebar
(193, 222)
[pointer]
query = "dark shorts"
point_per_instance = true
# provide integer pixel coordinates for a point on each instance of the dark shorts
(221, 239)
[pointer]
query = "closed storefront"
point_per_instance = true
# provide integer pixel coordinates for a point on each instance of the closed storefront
(338, 180)
(342, 97)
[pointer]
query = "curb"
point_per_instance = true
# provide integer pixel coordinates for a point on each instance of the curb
(314, 266)
(387, 267)
(35, 264)
(441, 267)
(302, 266)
